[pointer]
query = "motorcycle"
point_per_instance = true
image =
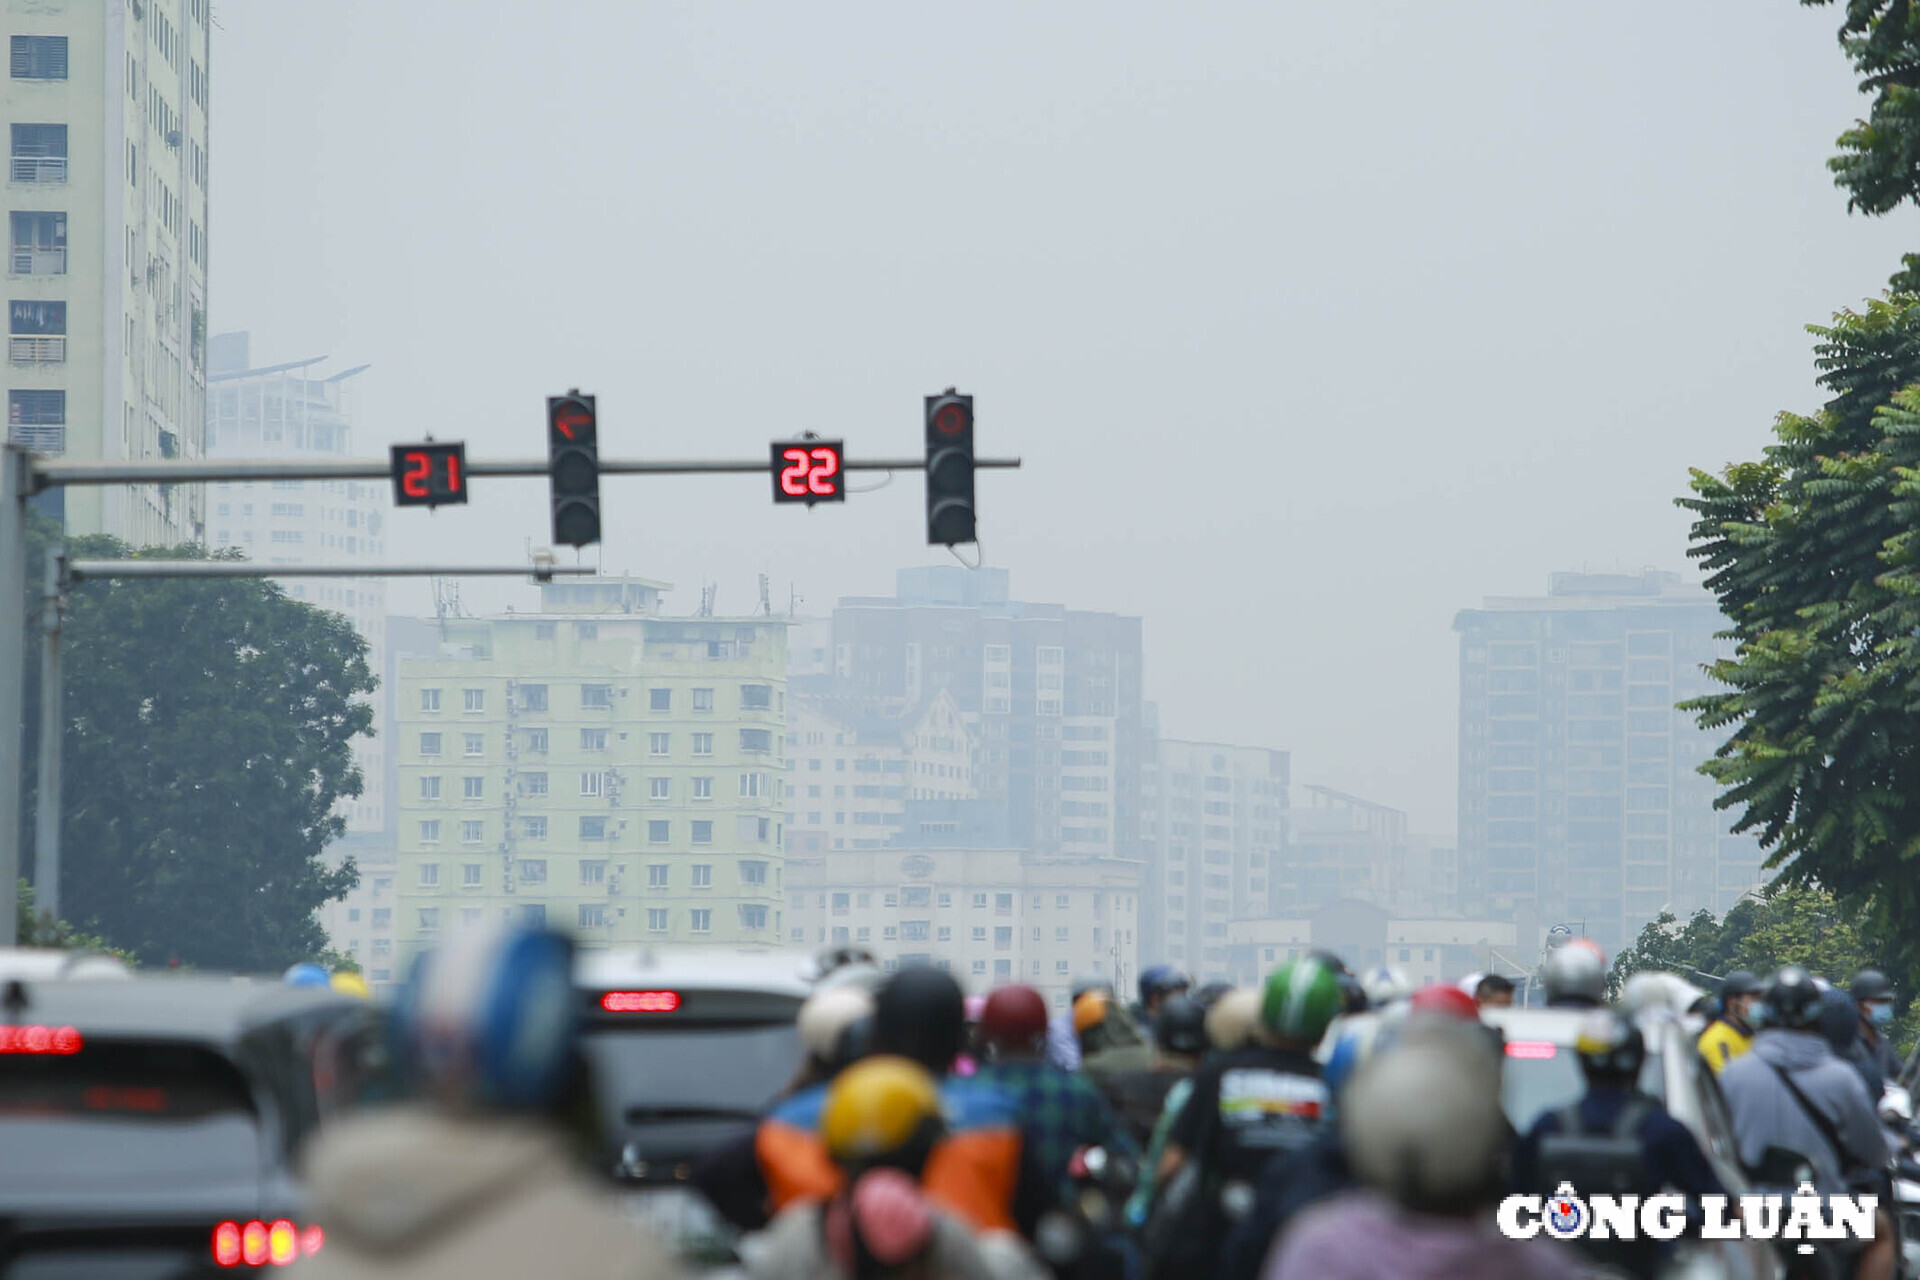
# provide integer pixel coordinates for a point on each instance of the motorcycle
(1085, 1237)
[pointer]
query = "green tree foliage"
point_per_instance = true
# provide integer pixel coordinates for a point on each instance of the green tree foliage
(36, 929)
(207, 740)
(1879, 161)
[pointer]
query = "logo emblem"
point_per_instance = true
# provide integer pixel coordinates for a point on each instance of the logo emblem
(1566, 1216)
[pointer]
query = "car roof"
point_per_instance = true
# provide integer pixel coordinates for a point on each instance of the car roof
(51, 962)
(687, 969)
(195, 1007)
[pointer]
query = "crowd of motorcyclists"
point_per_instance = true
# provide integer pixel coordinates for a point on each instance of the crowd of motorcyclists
(1242, 1133)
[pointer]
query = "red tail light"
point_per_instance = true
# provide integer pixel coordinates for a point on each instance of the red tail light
(640, 1001)
(261, 1244)
(57, 1040)
(1531, 1049)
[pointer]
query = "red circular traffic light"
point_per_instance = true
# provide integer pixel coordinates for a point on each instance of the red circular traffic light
(950, 419)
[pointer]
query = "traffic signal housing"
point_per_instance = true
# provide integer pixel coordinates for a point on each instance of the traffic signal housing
(573, 469)
(950, 516)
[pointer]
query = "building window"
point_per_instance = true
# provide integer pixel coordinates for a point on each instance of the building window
(753, 873)
(756, 741)
(533, 871)
(429, 875)
(703, 699)
(429, 919)
(39, 57)
(469, 873)
(472, 788)
(656, 875)
(430, 788)
(533, 697)
(593, 915)
(596, 697)
(430, 831)
(1060, 933)
(756, 697)
(593, 871)
(659, 788)
(536, 828)
(38, 420)
(659, 831)
(586, 630)
(37, 332)
(656, 919)
(429, 699)
(593, 828)
(474, 744)
(701, 919)
(659, 699)
(533, 915)
(659, 743)
(980, 900)
(703, 875)
(593, 739)
(473, 699)
(753, 915)
(472, 832)
(702, 832)
(979, 933)
(533, 784)
(703, 744)
(592, 784)
(537, 742)
(703, 788)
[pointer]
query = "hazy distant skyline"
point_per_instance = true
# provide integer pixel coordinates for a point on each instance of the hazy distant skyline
(1314, 325)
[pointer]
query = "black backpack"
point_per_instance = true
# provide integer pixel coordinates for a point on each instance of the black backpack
(1609, 1163)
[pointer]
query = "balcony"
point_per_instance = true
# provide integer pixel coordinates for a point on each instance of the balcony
(38, 438)
(38, 169)
(28, 261)
(36, 350)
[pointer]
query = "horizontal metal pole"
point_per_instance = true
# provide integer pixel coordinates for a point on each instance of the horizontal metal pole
(55, 473)
(78, 569)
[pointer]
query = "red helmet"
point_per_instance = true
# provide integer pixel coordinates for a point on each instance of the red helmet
(1444, 997)
(1015, 1017)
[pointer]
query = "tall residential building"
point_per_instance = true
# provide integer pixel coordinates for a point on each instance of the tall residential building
(1579, 792)
(1052, 697)
(989, 916)
(106, 107)
(1340, 846)
(851, 777)
(287, 411)
(596, 767)
(1214, 817)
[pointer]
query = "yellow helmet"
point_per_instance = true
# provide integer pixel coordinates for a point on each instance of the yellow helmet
(349, 984)
(877, 1106)
(1089, 1011)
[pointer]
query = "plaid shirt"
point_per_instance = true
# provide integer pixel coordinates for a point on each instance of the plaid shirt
(1059, 1113)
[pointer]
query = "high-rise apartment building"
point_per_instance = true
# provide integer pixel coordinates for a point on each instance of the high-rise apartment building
(106, 107)
(851, 777)
(596, 767)
(1051, 695)
(1214, 818)
(288, 411)
(1580, 796)
(1341, 846)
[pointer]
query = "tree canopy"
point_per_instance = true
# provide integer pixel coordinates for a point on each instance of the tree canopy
(207, 729)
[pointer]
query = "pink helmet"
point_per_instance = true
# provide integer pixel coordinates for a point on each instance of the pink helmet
(891, 1213)
(975, 1006)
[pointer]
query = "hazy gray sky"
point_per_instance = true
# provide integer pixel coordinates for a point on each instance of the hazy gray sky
(1314, 323)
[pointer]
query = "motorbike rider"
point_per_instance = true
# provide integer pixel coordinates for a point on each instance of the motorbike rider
(478, 1172)
(1231, 1017)
(1063, 1041)
(781, 1159)
(1730, 1034)
(1840, 1024)
(1575, 975)
(1180, 1038)
(881, 1124)
(1111, 1043)
(1422, 1128)
(1873, 993)
(1158, 984)
(1494, 991)
(1246, 1107)
(1617, 1138)
(1060, 1112)
(1796, 1107)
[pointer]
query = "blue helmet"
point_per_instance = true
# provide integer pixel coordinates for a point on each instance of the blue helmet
(1162, 979)
(305, 974)
(490, 1019)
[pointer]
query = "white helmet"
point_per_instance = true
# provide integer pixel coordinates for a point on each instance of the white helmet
(1576, 970)
(1230, 1020)
(1471, 983)
(1384, 984)
(1653, 992)
(1421, 1118)
(828, 1013)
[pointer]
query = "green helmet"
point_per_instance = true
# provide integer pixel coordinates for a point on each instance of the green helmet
(1302, 997)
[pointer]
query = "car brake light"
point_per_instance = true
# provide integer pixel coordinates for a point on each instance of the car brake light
(259, 1244)
(1531, 1049)
(640, 1001)
(56, 1040)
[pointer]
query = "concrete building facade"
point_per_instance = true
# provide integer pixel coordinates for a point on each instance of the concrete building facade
(1214, 819)
(851, 777)
(1579, 791)
(988, 916)
(106, 109)
(1426, 949)
(596, 767)
(1341, 846)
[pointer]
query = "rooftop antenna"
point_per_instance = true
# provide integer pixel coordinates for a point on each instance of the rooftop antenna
(794, 600)
(446, 602)
(766, 605)
(707, 596)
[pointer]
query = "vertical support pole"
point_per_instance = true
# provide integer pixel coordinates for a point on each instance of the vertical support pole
(13, 675)
(47, 804)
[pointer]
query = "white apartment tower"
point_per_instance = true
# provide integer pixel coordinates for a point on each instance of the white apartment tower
(106, 106)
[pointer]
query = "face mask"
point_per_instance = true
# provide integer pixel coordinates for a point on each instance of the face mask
(1879, 1013)
(1757, 1014)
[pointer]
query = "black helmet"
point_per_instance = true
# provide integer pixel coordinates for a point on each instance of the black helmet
(1871, 984)
(1793, 999)
(1181, 1027)
(1608, 1044)
(1353, 996)
(921, 1013)
(1741, 982)
(1839, 1021)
